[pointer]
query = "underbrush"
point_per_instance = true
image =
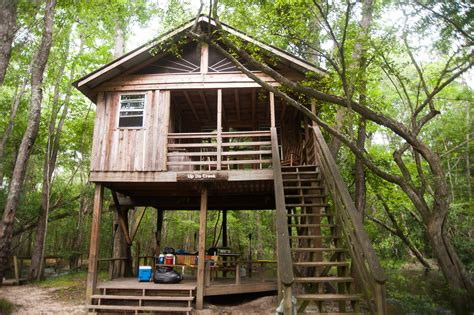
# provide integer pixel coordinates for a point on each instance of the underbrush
(6, 307)
(69, 287)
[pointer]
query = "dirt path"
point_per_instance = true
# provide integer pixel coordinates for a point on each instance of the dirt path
(30, 299)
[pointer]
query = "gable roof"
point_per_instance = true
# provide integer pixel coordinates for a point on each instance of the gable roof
(143, 53)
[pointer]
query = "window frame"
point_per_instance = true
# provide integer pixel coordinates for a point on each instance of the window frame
(132, 110)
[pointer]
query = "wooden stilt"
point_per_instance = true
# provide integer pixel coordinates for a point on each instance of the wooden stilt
(224, 238)
(202, 250)
(159, 227)
(94, 243)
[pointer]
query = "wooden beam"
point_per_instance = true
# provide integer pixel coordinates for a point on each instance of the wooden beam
(219, 129)
(159, 227)
(254, 104)
(94, 242)
(123, 220)
(272, 109)
(204, 57)
(237, 103)
(136, 223)
(202, 249)
(206, 105)
(190, 103)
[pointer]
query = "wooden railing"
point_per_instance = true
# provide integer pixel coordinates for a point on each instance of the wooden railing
(368, 271)
(285, 264)
(210, 151)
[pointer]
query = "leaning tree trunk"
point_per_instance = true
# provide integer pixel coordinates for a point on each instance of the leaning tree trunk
(51, 154)
(449, 263)
(29, 137)
(7, 33)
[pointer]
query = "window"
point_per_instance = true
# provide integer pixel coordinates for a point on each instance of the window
(132, 107)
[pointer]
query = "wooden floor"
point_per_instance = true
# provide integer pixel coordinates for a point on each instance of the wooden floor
(217, 287)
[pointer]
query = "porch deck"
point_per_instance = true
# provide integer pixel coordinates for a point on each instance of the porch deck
(219, 286)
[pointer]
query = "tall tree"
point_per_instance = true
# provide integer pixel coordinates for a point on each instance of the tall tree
(7, 33)
(37, 72)
(433, 206)
(51, 154)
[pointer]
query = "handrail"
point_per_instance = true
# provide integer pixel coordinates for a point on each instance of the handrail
(368, 269)
(212, 151)
(285, 264)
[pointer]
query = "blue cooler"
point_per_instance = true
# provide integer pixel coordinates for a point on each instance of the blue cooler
(144, 273)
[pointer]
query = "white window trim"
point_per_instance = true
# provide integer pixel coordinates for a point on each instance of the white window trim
(132, 110)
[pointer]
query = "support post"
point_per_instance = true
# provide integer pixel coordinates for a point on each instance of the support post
(219, 129)
(287, 300)
(159, 227)
(204, 57)
(272, 109)
(94, 243)
(202, 249)
(16, 269)
(224, 239)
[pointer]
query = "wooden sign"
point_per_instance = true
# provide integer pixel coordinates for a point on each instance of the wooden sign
(202, 177)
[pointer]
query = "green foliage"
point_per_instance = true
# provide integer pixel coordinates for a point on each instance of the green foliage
(6, 307)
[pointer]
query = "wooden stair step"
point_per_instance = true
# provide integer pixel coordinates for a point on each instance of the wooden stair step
(310, 215)
(311, 225)
(288, 187)
(323, 279)
(297, 180)
(314, 237)
(328, 297)
(306, 205)
(143, 297)
(321, 263)
(301, 173)
(141, 308)
(299, 166)
(306, 196)
(321, 249)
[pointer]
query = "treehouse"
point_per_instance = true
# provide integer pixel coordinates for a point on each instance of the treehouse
(179, 126)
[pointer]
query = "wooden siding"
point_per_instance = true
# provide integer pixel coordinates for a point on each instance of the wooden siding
(130, 149)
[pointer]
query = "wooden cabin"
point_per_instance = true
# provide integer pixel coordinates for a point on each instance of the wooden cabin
(178, 127)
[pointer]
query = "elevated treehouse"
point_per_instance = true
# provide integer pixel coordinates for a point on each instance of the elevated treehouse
(178, 127)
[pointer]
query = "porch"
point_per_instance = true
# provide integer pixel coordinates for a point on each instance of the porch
(129, 295)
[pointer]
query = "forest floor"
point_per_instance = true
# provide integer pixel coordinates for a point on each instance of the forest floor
(66, 295)
(410, 290)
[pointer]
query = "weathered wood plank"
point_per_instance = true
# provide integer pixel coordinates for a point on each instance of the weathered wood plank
(94, 242)
(163, 127)
(98, 125)
(219, 129)
(285, 266)
(202, 249)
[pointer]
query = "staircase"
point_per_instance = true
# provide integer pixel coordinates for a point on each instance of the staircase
(134, 297)
(320, 261)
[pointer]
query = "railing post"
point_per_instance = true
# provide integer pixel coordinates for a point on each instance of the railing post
(219, 129)
(285, 264)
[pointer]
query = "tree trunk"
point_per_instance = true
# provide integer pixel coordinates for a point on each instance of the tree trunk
(452, 268)
(51, 154)
(6, 134)
(38, 66)
(7, 33)
(360, 191)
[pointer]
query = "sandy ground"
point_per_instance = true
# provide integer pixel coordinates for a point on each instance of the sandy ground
(30, 299)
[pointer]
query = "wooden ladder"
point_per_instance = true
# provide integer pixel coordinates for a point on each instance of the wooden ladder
(320, 260)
